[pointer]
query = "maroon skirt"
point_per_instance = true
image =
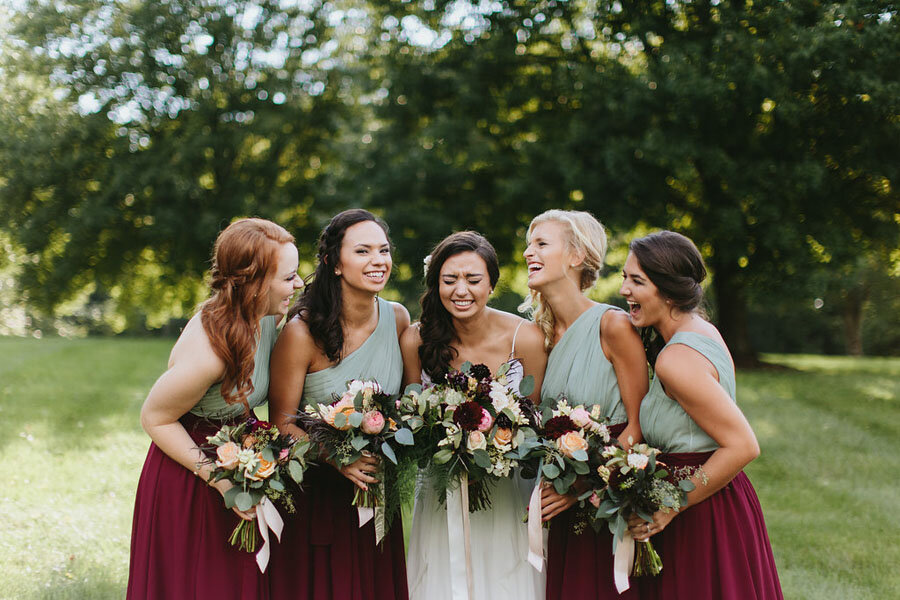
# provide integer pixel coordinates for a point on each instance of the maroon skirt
(179, 535)
(581, 566)
(325, 555)
(715, 550)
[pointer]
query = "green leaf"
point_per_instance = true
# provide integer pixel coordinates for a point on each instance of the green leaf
(276, 485)
(359, 442)
(404, 436)
(526, 387)
(358, 401)
(268, 455)
(295, 469)
(413, 388)
(355, 419)
(466, 367)
(230, 495)
(389, 452)
(550, 471)
(243, 501)
(580, 455)
(482, 459)
(581, 468)
(504, 368)
(687, 485)
(340, 420)
(560, 485)
(442, 456)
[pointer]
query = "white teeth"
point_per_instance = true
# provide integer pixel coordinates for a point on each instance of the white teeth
(463, 303)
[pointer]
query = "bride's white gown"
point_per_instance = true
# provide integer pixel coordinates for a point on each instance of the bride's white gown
(499, 543)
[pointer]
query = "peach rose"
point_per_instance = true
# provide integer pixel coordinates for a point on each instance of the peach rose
(227, 455)
(476, 441)
(372, 423)
(570, 443)
(502, 437)
(249, 440)
(342, 406)
(265, 469)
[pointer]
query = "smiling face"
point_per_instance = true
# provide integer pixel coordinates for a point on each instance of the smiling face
(464, 285)
(365, 259)
(549, 256)
(645, 304)
(283, 281)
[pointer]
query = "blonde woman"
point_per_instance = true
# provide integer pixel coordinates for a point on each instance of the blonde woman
(596, 358)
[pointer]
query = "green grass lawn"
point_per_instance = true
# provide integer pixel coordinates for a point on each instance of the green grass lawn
(72, 451)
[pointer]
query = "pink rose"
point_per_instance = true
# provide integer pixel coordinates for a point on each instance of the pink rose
(227, 455)
(372, 423)
(595, 500)
(486, 421)
(580, 417)
(476, 441)
(285, 452)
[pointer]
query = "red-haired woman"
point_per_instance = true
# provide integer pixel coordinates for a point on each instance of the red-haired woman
(218, 372)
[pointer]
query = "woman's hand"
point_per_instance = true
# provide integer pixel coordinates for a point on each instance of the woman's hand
(633, 431)
(642, 530)
(361, 471)
(223, 486)
(553, 503)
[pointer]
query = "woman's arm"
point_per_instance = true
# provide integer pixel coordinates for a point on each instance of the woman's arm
(691, 380)
(291, 357)
(530, 349)
(409, 347)
(623, 348)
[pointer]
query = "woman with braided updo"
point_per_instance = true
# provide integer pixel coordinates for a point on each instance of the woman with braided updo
(596, 358)
(218, 372)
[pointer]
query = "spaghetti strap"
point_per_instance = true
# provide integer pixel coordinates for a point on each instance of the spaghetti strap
(512, 351)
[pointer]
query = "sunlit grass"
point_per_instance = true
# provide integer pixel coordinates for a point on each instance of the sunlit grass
(73, 448)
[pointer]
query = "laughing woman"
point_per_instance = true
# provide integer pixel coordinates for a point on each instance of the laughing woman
(458, 326)
(338, 330)
(218, 372)
(717, 547)
(597, 358)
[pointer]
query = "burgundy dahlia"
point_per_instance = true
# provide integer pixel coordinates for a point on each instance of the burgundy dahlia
(480, 372)
(468, 415)
(459, 381)
(557, 427)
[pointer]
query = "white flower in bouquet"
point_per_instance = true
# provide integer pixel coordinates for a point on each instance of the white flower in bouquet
(476, 441)
(637, 461)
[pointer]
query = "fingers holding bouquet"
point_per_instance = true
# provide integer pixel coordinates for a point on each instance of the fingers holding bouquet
(642, 530)
(361, 472)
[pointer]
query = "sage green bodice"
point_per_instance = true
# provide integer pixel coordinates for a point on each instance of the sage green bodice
(213, 406)
(578, 369)
(664, 423)
(377, 358)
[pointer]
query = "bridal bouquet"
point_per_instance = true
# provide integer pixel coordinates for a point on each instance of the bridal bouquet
(473, 429)
(363, 421)
(258, 461)
(634, 482)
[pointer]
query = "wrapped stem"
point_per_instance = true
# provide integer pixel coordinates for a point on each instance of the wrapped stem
(245, 536)
(646, 560)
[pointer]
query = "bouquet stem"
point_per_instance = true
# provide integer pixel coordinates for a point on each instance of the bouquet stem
(245, 536)
(365, 498)
(646, 560)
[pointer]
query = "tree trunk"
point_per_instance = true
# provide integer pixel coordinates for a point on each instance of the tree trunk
(731, 313)
(852, 312)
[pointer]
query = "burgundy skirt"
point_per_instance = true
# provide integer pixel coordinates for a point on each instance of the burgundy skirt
(325, 555)
(179, 535)
(715, 550)
(581, 566)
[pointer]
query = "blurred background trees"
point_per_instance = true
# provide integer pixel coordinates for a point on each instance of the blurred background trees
(767, 131)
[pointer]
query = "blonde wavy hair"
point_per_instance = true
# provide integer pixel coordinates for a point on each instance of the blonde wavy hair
(585, 235)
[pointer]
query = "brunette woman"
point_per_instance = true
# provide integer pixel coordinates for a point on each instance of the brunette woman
(338, 330)
(458, 326)
(717, 547)
(596, 358)
(218, 372)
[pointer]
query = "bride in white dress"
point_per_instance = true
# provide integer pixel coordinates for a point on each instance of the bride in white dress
(457, 326)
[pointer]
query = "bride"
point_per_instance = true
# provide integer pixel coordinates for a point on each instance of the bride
(457, 326)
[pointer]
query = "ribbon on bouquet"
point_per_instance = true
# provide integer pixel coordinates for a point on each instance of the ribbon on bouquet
(267, 517)
(459, 538)
(367, 513)
(623, 561)
(535, 530)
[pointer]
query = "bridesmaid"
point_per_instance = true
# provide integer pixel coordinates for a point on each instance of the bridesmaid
(338, 330)
(218, 372)
(597, 358)
(717, 547)
(458, 326)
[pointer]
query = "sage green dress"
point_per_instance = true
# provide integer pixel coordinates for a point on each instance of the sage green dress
(578, 370)
(213, 406)
(664, 423)
(324, 554)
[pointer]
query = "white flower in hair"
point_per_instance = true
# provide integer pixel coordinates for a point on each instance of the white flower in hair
(427, 263)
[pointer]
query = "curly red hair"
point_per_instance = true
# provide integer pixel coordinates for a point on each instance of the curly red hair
(244, 258)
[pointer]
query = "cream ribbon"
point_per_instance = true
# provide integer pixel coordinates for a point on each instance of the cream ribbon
(367, 513)
(459, 539)
(623, 561)
(535, 531)
(267, 518)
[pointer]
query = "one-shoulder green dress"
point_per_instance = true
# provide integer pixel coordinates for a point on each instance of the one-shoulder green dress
(719, 548)
(324, 554)
(581, 566)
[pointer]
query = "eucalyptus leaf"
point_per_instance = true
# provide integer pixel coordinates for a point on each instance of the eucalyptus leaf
(687, 485)
(503, 370)
(230, 495)
(404, 436)
(340, 420)
(359, 443)
(550, 471)
(268, 455)
(580, 455)
(276, 485)
(442, 456)
(389, 452)
(482, 459)
(295, 469)
(413, 388)
(466, 367)
(526, 387)
(355, 419)
(243, 501)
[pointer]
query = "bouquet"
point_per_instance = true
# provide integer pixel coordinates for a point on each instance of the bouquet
(471, 428)
(259, 461)
(363, 421)
(634, 482)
